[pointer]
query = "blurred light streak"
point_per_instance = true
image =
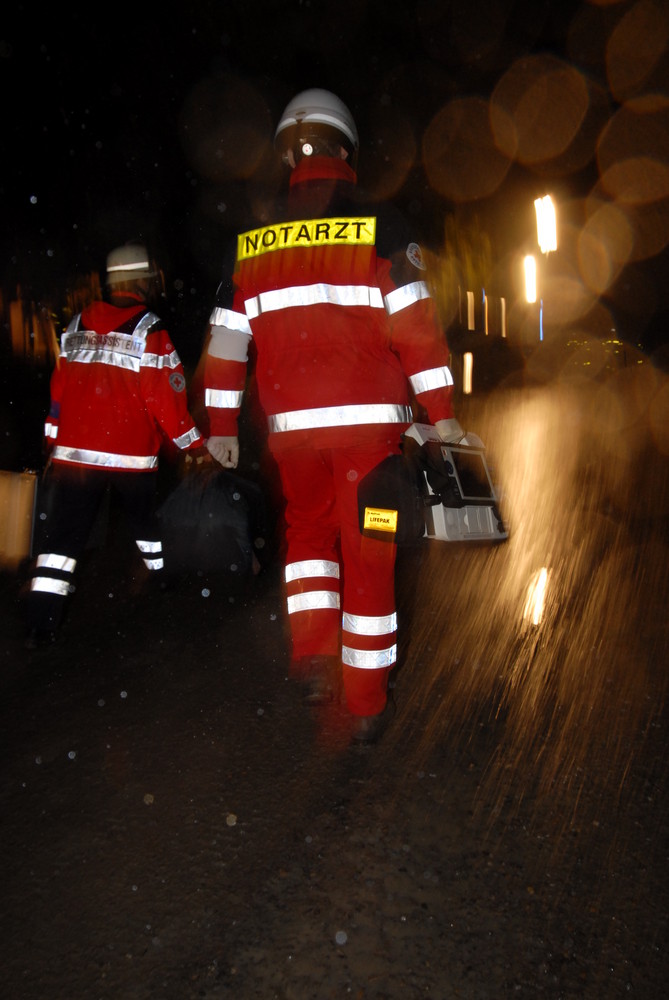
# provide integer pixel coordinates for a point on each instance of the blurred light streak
(467, 372)
(541, 320)
(535, 601)
(546, 223)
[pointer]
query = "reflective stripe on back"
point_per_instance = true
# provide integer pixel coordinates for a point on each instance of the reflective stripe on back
(338, 416)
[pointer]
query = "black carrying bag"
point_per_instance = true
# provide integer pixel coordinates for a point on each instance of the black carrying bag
(392, 498)
(213, 522)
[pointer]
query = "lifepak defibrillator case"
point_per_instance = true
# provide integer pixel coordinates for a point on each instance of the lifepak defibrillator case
(432, 490)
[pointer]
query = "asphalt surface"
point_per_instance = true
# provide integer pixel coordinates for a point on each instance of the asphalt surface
(176, 824)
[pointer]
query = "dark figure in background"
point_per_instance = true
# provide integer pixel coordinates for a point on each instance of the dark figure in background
(118, 391)
(333, 298)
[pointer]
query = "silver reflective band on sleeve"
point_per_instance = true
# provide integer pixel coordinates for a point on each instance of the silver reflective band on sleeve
(230, 319)
(50, 560)
(228, 345)
(369, 659)
(314, 600)
(223, 399)
(405, 296)
(313, 295)
(337, 416)
(309, 568)
(184, 440)
(105, 460)
(160, 360)
(369, 625)
(434, 378)
(47, 585)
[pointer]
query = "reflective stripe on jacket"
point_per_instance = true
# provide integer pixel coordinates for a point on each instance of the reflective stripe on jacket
(343, 326)
(118, 391)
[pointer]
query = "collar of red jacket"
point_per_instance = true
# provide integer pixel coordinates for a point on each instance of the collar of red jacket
(319, 168)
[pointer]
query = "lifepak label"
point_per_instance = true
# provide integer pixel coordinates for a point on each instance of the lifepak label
(307, 233)
(377, 519)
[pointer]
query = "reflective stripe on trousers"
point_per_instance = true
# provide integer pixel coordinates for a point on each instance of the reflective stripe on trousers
(53, 574)
(330, 564)
(152, 554)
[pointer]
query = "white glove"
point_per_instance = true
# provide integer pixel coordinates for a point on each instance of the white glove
(449, 430)
(225, 450)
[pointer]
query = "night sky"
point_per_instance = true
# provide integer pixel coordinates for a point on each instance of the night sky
(123, 121)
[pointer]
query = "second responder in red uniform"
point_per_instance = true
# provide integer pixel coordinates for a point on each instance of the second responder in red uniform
(333, 298)
(118, 393)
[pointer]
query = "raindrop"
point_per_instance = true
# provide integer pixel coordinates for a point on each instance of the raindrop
(124, 694)
(206, 592)
(72, 754)
(341, 937)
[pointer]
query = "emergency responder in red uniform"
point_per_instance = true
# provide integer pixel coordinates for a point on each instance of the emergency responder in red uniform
(333, 298)
(117, 392)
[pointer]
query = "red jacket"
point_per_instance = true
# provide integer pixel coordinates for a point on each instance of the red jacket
(334, 298)
(117, 392)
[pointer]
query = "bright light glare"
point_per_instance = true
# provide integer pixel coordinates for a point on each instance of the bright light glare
(530, 278)
(546, 224)
(536, 597)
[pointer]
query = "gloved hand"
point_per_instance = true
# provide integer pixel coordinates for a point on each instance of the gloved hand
(225, 450)
(197, 459)
(449, 430)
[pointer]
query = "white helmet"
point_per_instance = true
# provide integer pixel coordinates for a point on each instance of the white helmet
(130, 262)
(316, 122)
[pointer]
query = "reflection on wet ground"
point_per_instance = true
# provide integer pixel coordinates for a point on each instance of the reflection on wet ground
(558, 635)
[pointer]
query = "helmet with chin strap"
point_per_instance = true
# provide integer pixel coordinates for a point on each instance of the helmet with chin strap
(316, 123)
(133, 273)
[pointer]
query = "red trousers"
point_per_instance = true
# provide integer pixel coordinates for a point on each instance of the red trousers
(340, 585)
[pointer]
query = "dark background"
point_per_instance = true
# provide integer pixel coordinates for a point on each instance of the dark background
(136, 120)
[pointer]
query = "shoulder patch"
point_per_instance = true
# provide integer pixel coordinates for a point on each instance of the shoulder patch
(415, 255)
(177, 381)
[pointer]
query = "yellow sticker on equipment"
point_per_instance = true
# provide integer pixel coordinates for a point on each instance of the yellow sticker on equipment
(307, 233)
(377, 519)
